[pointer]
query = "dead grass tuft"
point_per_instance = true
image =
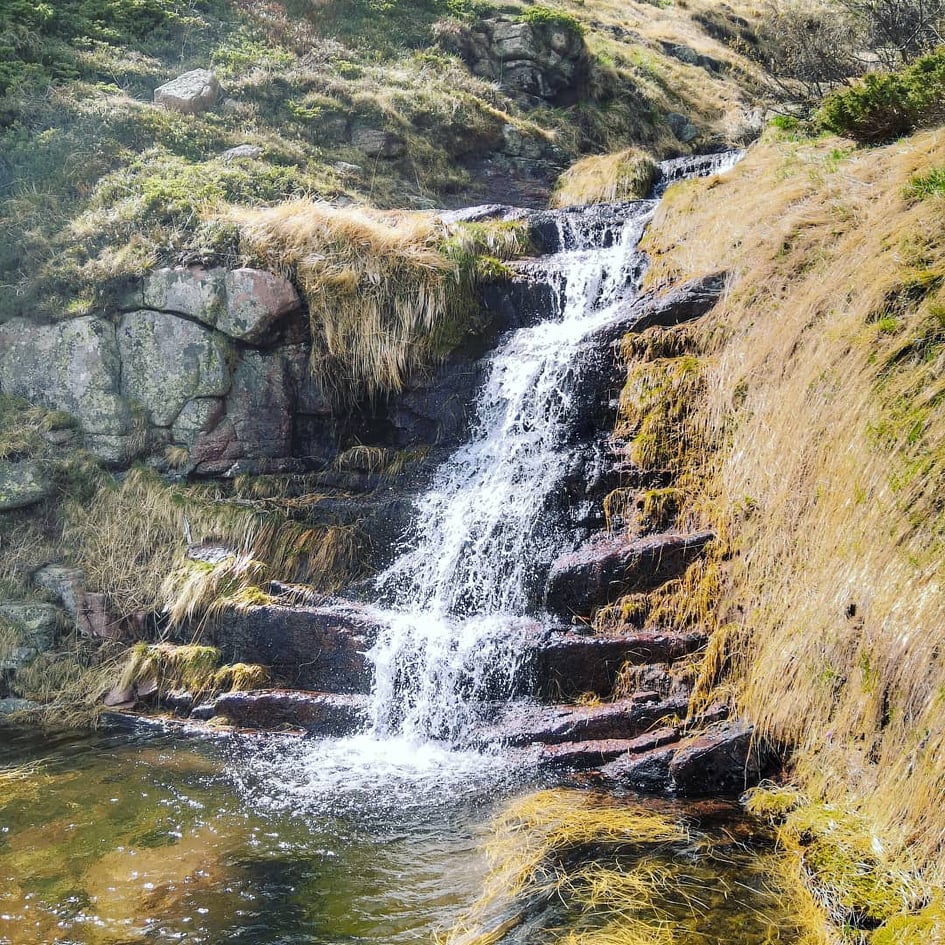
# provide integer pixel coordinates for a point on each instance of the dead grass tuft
(606, 178)
(389, 294)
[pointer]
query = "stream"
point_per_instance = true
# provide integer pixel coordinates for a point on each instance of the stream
(387, 837)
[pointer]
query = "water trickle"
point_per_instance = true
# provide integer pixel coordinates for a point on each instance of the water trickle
(458, 596)
(457, 605)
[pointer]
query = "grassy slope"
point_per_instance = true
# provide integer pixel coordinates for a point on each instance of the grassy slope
(96, 183)
(820, 405)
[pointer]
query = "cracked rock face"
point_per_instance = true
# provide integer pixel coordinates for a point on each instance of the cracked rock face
(537, 60)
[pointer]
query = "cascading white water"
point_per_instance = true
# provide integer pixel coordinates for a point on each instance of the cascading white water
(454, 605)
(458, 593)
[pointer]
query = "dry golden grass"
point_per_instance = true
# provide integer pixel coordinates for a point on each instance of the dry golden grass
(531, 852)
(388, 293)
(190, 668)
(130, 541)
(821, 445)
(606, 178)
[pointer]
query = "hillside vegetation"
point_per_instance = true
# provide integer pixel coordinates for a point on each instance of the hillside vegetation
(97, 183)
(811, 437)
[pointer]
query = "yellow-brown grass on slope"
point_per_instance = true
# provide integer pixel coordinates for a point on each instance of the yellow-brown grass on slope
(606, 178)
(388, 293)
(821, 419)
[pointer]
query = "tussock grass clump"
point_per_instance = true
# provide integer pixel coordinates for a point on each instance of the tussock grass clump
(131, 538)
(388, 293)
(164, 668)
(197, 592)
(377, 460)
(820, 429)
(68, 684)
(542, 849)
(606, 178)
(188, 668)
(845, 863)
(655, 403)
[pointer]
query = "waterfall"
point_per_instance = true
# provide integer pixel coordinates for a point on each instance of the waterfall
(454, 606)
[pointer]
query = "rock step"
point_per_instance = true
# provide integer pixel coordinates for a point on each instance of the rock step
(317, 713)
(526, 724)
(605, 569)
(568, 664)
(593, 754)
(318, 649)
(724, 758)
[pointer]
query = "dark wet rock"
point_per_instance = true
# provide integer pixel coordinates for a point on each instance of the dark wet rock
(604, 570)
(597, 224)
(527, 724)
(520, 300)
(593, 754)
(682, 303)
(725, 759)
(321, 649)
(647, 772)
(319, 713)
(572, 663)
(540, 60)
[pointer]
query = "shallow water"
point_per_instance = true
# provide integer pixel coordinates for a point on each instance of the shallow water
(116, 840)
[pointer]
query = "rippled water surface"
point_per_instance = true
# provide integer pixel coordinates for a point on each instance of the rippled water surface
(117, 840)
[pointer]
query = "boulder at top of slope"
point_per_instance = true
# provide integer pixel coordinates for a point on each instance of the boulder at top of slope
(191, 93)
(72, 366)
(22, 484)
(167, 360)
(255, 301)
(540, 59)
(186, 290)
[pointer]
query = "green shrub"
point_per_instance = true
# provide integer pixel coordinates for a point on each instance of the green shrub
(887, 105)
(549, 16)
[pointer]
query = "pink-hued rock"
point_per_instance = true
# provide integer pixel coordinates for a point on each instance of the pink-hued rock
(255, 301)
(603, 570)
(319, 713)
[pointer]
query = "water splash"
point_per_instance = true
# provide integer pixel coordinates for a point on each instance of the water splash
(458, 595)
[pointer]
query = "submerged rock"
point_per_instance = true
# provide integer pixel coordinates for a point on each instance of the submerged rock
(605, 569)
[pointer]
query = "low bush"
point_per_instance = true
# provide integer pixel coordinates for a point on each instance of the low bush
(887, 105)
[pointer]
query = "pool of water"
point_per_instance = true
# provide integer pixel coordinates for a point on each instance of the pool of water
(113, 840)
